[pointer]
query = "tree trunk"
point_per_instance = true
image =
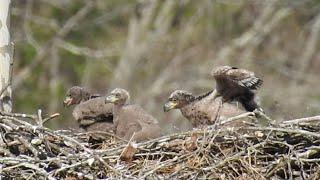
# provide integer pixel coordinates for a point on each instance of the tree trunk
(6, 60)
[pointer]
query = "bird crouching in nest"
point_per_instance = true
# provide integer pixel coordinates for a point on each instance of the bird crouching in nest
(90, 111)
(131, 122)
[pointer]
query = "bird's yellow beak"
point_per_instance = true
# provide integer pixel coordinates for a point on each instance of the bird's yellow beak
(68, 101)
(111, 99)
(169, 105)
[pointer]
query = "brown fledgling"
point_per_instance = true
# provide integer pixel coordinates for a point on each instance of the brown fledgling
(76, 95)
(237, 84)
(91, 111)
(200, 110)
(131, 121)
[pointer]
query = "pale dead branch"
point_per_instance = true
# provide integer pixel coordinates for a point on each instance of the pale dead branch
(41, 54)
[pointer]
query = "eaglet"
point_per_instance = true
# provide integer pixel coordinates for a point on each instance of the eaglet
(200, 110)
(237, 84)
(91, 111)
(77, 94)
(131, 121)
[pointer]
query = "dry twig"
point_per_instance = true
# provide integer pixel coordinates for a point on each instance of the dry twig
(257, 152)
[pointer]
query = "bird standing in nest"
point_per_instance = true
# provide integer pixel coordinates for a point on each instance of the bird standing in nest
(237, 84)
(200, 110)
(91, 111)
(131, 121)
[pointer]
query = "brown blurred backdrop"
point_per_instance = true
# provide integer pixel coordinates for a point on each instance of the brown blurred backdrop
(152, 47)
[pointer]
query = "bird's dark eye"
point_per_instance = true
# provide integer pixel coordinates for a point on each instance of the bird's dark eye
(117, 95)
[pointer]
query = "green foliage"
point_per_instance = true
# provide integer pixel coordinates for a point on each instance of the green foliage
(26, 51)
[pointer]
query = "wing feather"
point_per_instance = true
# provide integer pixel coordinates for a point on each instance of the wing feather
(232, 76)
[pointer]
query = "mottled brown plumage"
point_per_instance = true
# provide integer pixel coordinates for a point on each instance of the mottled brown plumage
(202, 110)
(91, 111)
(131, 121)
(100, 126)
(237, 84)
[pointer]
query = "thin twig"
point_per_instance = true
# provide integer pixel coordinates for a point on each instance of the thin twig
(302, 120)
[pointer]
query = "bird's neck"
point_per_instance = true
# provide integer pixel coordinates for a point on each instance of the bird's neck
(84, 100)
(85, 95)
(116, 109)
(116, 112)
(205, 95)
(185, 110)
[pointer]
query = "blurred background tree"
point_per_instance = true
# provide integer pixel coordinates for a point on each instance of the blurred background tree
(152, 47)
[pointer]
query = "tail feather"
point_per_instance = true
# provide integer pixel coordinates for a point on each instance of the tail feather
(250, 105)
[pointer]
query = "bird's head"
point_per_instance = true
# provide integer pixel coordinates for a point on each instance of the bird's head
(177, 100)
(75, 95)
(118, 96)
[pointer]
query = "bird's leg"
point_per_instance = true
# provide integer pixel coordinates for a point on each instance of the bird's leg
(217, 116)
(258, 111)
(263, 119)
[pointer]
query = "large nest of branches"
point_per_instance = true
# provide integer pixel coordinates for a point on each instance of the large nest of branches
(287, 150)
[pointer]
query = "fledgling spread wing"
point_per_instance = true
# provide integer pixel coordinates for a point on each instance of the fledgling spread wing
(244, 78)
(232, 76)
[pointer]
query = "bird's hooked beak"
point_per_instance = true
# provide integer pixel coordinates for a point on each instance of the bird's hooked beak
(68, 101)
(169, 105)
(111, 99)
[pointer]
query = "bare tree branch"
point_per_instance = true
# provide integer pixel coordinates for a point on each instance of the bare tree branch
(41, 54)
(310, 47)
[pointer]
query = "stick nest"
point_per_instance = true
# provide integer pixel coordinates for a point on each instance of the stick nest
(287, 150)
